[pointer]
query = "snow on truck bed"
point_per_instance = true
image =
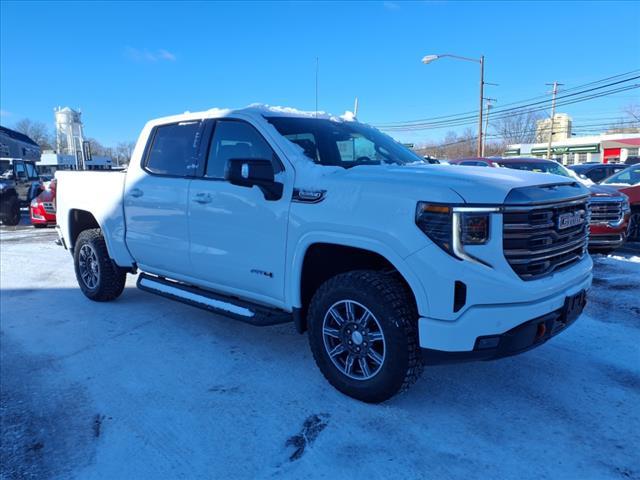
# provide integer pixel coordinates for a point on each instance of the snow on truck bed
(146, 388)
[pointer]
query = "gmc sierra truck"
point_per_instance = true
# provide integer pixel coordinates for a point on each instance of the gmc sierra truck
(271, 215)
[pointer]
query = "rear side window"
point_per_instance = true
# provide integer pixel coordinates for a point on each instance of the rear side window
(236, 139)
(31, 171)
(174, 150)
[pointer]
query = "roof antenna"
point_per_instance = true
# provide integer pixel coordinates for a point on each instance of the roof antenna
(355, 108)
(317, 68)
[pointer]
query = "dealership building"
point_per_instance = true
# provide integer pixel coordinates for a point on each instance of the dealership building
(606, 148)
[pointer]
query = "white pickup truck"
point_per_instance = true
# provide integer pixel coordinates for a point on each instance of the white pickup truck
(271, 215)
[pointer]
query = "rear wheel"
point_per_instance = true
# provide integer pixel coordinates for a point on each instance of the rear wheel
(363, 335)
(99, 278)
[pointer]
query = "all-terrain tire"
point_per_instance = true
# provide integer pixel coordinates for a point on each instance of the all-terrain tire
(11, 212)
(391, 305)
(90, 256)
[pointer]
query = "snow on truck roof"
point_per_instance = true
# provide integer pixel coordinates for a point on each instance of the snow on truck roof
(256, 110)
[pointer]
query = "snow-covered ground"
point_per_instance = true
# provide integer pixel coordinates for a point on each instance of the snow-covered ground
(146, 388)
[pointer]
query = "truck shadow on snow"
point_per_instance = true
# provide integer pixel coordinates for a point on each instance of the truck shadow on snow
(561, 384)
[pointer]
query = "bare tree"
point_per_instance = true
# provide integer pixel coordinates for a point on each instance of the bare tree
(123, 152)
(36, 131)
(519, 127)
(632, 113)
(452, 146)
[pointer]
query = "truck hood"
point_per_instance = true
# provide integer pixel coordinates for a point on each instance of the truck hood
(603, 191)
(477, 185)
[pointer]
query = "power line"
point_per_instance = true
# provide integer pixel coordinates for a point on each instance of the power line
(521, 103)
(508, 112)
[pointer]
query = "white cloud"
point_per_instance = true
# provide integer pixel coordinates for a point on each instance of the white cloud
(4, 113)
(151, 56)
(391, 5)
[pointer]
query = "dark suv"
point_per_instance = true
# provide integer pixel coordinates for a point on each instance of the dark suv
(596, 172)
(19, 184)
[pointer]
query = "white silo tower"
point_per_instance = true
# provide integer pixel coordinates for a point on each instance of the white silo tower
(69, 134)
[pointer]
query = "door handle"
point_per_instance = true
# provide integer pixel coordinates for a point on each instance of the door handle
(202, 198)
(136, 192)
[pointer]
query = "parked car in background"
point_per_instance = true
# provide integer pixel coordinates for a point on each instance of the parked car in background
(9, 203)
(24, 176)
(43, 207)
(596, 172)
(609, 208)
(628, 182)
(632, 160)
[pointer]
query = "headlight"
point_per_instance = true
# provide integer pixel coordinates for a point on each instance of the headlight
(34, 203)
(625, 205)
(451, 228)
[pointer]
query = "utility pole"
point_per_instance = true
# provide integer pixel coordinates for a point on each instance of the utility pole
(431, 58)
(480, 149)
(553, 114)
(355, 108)
(317, 69)
(486, 124)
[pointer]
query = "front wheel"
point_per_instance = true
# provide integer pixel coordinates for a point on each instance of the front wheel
(99, 278)
(363, 335)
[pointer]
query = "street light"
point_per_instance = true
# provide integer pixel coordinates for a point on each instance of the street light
(427, 59)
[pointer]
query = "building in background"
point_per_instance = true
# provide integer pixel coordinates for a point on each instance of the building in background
(72, 152)
(606, 148)
(17, 146)
(561, 128)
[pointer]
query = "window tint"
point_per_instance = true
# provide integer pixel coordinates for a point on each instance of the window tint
(20, 171)
(630, 176)
(31, 171)
(235, 139)
(344, 144)
(597, 174)
(308, 143)
(175, 149)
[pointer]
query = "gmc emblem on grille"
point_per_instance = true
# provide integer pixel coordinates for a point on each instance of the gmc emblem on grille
(570, 219)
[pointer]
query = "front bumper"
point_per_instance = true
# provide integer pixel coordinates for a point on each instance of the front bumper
(461, 335)
(605, 236)
(40, 216)
(530, 334)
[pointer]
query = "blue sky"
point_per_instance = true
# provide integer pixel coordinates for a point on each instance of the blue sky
(124, 63)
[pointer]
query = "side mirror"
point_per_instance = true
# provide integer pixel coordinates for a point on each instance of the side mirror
(247, 172)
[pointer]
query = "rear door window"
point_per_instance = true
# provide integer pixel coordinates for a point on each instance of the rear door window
(174, 150)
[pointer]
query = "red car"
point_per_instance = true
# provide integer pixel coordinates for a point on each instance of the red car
(609, 208)
(43, 207)
(628, 182)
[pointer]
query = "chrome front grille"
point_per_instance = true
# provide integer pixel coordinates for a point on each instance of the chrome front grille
(49, 207)
(606, 211)
(536, 244)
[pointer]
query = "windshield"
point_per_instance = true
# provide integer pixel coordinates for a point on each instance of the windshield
(343, 144)
(628, 176)
(542, 167)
